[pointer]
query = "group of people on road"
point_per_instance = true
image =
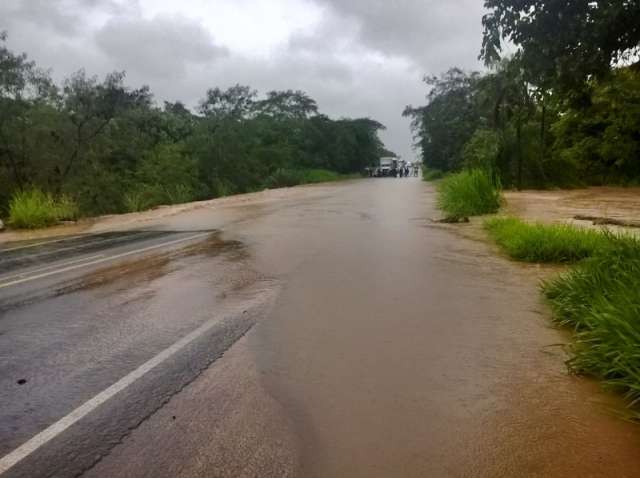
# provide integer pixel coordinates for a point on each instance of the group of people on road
(405, 172)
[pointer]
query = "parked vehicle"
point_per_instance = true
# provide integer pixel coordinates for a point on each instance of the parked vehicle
(388, 166)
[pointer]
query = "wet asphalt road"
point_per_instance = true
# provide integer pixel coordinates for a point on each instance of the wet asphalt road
(76, 315)
(331, 332)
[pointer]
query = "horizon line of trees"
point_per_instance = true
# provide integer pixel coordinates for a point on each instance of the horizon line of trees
(563, 110)
(111, 148)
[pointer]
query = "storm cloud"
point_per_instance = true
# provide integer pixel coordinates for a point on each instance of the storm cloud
(355, 57)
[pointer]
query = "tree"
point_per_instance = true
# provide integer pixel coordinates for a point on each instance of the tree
(289, 104)
(236, 102)
(23, 87)
(511, 104)
(602, 142)
(563, 43)
(108, 147)
(90, 107)
(448, 120)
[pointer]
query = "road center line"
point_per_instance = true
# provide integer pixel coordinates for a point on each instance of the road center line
(98, 261)
(41, 243)
(52, 266)
(39, 440)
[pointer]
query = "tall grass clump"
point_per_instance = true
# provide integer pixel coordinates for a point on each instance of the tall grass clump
(33, 208)
(471, 192)
(559, 243)
(600, 300)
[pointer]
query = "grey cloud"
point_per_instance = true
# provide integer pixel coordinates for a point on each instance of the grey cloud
(64, 17)
(161, 47)
(436, 34)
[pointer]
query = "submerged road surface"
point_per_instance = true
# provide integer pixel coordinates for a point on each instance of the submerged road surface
(332, 331)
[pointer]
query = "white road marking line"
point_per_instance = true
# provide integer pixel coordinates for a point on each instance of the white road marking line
(98, 261)
(39, 440)
(41, 243)
(53, 266)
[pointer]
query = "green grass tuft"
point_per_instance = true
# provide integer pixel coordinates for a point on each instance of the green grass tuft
(600, 300)
(33, 208)
(559, 243)
(469, 193)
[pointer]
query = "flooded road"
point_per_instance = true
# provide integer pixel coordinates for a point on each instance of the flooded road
(334, 331)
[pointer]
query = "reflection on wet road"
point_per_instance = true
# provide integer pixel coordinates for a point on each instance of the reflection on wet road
(69, 333)
(334, 332)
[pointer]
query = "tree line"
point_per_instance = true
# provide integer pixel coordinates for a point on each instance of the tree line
(563, 110)
(112, 148)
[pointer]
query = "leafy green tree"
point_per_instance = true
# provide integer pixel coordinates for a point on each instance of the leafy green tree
(448, 120)
(236, 102)
(109, 148)
(602, 143)
(26, 95)
(289, 104)
(563, 43)
(90, 107)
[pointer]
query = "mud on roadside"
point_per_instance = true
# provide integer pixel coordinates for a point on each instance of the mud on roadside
(114, 222)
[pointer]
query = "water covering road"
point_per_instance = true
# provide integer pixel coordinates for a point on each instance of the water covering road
(332, 332)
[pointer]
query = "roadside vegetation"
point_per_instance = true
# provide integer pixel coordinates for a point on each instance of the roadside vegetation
(33, 208)
(104, 147)
(429, 174)
(562, 111)
(555, 243)
(598, 298)
(471, 192)
(292, 177)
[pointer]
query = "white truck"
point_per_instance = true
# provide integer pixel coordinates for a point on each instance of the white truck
(388, 166)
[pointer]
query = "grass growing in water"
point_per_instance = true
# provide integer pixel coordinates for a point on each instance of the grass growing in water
(600, 300)
(559, 243)
(33, 208)
(469, 193)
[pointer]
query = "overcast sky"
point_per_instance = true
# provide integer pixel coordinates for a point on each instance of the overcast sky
(355, 57)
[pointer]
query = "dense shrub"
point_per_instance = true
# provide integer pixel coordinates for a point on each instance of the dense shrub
(600, 300)
(469, 193)
(602, 141)
(482, 150)
(33, 208)
(558, 243)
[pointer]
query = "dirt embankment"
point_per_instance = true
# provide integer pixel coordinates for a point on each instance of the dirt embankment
(585, 207)
(114, 222)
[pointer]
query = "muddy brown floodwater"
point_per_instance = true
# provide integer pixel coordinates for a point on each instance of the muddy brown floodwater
(396, 348)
